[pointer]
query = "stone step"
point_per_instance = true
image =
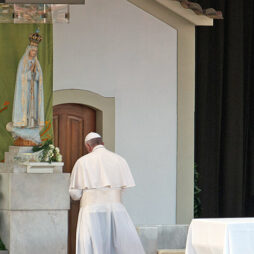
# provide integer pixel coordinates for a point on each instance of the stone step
(2, 166)
(14, 150)
(171, 252)
(10, 167)
(20, 149)
(8, 157)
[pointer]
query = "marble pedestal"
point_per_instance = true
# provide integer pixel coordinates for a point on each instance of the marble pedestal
(33, 207)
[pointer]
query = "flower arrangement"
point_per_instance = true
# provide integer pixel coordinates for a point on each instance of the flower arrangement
(49, 153)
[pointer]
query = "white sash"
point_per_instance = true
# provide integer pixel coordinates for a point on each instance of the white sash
(100, 196)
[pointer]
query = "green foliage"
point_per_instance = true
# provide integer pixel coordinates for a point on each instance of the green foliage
(2, 246)
(197, 190)
(44, 146)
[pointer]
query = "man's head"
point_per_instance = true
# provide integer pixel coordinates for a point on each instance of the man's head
(92, 140)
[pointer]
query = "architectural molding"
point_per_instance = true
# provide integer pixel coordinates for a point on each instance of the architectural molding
(104, 106)
(188, 14)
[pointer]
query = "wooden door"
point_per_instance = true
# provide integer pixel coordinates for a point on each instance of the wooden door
(72, 122)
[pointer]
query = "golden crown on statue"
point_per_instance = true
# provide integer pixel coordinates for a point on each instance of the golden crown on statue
(35, 38)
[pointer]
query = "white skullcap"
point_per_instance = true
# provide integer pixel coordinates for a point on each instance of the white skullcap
(91, 135)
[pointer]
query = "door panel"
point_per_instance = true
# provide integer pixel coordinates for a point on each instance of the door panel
(72, 122)
(76, 130)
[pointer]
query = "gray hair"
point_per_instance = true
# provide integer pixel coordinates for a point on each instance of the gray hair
(94, 142)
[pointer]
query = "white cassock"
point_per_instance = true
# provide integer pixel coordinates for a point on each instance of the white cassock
(104, 226)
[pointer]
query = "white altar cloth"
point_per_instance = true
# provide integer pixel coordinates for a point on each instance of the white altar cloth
(221, 236)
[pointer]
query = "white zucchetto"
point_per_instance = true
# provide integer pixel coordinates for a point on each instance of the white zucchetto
(91, 135)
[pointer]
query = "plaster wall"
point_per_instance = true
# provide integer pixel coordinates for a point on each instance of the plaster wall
(117, 50)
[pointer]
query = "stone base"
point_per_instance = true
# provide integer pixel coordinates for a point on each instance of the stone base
(30, 232)
(34, 192)
(12, 166)
(43, 167)
(33, 207)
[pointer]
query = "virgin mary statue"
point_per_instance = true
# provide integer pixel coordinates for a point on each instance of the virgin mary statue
(28, 104)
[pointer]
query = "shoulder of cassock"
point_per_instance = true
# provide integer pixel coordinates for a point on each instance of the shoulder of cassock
(101, 168)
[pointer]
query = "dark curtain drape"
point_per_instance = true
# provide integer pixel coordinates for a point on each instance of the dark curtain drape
(224, 114)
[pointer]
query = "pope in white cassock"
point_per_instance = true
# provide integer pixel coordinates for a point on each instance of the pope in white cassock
(98, 178)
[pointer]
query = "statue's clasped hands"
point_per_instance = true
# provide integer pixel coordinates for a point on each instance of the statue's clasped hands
(33, 67)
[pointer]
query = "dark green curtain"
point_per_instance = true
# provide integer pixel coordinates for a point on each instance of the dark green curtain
(224, 124)
(13, 42)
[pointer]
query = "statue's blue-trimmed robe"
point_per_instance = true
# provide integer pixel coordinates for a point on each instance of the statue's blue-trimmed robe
(104, 226)
(28, 105)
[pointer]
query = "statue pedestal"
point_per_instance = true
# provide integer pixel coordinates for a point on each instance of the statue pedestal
(33, 206)
(43, 167)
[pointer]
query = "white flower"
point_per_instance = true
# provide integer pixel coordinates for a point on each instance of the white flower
(57, 150)
(59, 157)
(51, 146)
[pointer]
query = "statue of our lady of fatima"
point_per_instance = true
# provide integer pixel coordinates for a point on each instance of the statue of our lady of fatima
(28, 104)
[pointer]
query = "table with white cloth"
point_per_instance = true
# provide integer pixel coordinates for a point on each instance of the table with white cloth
(221, 236)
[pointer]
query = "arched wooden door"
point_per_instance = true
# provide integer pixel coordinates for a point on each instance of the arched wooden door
(72, 122)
